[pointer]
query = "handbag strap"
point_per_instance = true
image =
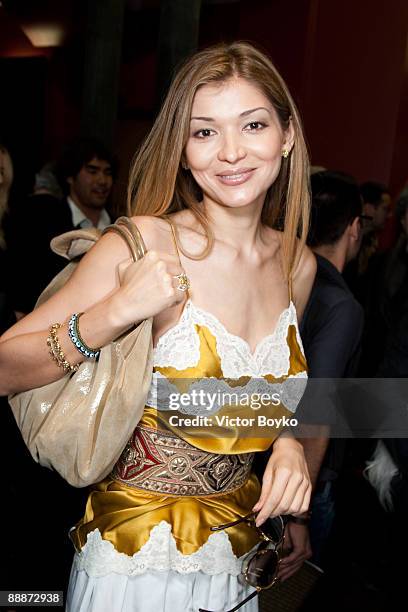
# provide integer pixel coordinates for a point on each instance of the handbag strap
(128, 230)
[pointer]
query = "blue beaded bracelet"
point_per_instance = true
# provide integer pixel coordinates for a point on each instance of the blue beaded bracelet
(73, 331)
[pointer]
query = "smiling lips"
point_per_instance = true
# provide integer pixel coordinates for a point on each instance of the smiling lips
(237, 177)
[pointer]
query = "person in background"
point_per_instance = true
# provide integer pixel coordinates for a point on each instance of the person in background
(395, 276)
(384, 287)
(360, 273)
(87, 169)
(46, 182)
(331, 329)
(376, 208)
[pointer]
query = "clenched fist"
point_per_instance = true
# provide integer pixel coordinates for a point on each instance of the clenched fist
(148, 286)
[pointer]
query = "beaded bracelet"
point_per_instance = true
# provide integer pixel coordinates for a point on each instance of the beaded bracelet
(73, 331)
(56, 351)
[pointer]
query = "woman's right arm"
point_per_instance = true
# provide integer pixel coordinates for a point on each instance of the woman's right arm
(112, 292)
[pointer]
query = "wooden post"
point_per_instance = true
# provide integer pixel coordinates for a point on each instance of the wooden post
(178, 38)
(101, 70)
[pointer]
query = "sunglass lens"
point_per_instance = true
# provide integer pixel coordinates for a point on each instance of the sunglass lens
(273, 529)
(262, 567)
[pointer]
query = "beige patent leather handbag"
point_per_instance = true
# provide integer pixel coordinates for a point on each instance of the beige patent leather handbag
(79, 425)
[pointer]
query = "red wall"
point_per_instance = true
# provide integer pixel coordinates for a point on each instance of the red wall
(345, 61)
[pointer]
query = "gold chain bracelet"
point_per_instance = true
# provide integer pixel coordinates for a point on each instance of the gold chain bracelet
(56, 351)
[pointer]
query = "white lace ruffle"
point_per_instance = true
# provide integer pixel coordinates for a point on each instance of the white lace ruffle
(99, 557)
(179, 347)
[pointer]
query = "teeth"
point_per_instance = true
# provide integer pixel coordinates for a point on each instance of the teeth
(233, 176)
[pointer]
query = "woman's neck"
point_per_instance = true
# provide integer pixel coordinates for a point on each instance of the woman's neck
(239, 228)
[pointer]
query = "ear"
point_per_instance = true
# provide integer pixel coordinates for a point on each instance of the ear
(355, 229)
(368, 209)
(70, 180)
(289, 137)
(183, 161)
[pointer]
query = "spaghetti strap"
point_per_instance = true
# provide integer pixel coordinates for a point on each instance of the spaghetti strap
(174, 236)
(290, 290)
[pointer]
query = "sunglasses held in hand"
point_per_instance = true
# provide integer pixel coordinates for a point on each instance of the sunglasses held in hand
(260, 569)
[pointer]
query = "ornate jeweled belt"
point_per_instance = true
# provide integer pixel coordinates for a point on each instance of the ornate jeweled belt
(162, 462)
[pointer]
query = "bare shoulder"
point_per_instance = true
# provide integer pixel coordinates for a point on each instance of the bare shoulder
(303, 279)
(152, 229)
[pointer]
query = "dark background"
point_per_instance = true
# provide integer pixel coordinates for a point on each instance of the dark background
(345, 62)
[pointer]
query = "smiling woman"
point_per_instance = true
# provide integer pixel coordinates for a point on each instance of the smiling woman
(219, 191)
(287, 200)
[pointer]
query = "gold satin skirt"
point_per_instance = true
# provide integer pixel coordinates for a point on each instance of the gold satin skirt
(125, 516)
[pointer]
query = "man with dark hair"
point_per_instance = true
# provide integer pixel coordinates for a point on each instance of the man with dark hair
(87, 169)
(331, 328)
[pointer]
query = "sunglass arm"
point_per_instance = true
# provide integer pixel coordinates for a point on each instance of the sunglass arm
(241, 603)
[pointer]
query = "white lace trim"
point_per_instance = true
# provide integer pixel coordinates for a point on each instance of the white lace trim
(209, 395)
(179, 347)
(99, 557)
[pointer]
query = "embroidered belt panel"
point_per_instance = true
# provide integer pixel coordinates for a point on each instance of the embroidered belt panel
(162, 462)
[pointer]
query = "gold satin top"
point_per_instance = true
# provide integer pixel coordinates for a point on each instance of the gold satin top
(199, 347)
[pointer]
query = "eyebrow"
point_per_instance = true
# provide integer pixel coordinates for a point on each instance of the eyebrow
(243, 114)
(93, 167)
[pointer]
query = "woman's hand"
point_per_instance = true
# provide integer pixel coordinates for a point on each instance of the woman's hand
(147, 286)
(286, 486)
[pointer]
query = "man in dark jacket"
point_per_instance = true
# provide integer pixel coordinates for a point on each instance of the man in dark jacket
(87, 169)
(332, 326)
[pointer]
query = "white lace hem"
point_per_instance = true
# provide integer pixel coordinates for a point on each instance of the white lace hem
(99, 557)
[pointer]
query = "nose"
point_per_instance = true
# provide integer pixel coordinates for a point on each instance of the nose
(232, 148)
(102, 179)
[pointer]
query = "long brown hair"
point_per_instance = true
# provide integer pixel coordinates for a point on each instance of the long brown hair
(158, 183)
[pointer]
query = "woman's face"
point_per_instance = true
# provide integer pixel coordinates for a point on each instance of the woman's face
(234, 149)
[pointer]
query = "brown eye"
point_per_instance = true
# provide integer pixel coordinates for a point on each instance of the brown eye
(256, 125)
(203, 133)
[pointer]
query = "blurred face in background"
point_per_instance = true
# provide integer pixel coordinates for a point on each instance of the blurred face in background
(2, 169)
(6, 170)
(404, 222)
(6, 179)
(379, 213)
(91, 187)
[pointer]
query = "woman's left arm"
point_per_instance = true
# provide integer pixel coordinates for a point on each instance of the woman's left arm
(286, 486)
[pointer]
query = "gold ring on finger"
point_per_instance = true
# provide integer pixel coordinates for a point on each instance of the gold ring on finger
(184, 283)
